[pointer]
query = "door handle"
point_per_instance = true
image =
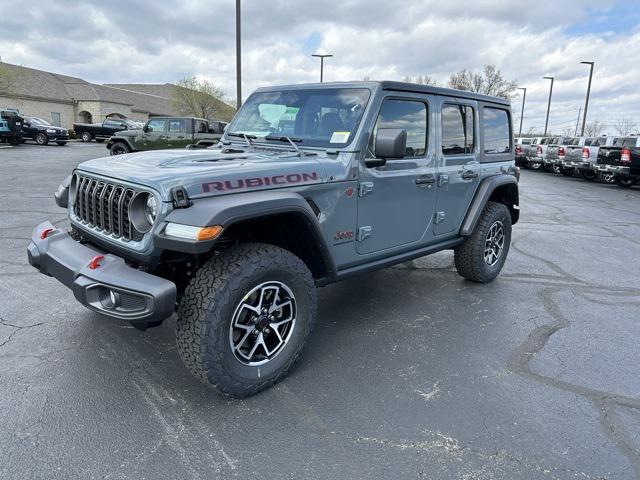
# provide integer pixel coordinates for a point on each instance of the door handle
(425, 180)
(469, 174)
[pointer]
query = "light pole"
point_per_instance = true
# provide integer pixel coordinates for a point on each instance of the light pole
(524, 97)
(546, 123)
(238, 59)
(321, 57)
(586, 102)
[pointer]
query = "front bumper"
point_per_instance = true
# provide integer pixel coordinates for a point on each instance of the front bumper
(113, 288)
(617, 169)
(58, 137)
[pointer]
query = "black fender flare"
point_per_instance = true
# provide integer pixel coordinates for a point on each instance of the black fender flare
(483, 194)
(113, 140)
(227, 210)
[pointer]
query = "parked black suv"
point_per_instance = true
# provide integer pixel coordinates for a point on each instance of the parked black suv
(42, 132)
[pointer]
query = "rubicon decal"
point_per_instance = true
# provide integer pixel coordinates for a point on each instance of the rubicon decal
(256, 182)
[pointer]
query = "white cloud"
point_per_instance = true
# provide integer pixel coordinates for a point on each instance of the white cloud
(140, 42)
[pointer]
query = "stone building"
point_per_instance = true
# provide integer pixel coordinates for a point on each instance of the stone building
(63, 100)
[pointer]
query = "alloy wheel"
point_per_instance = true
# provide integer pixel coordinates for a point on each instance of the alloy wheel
(494, 244)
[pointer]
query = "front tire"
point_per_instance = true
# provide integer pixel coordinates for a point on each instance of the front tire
(42, 139)
(245, 317)
(86, 137)
(482, 255)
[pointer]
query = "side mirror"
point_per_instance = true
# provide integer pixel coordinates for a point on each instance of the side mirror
(390, 143)
(147, 129)
(27, 124)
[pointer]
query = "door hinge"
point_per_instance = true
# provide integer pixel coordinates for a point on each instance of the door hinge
(443, 179)
(365, 188)
(364, 233)
(439, 217)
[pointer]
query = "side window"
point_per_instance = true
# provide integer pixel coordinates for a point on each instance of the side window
(496, 130)
(55, 119)
(201, 126)
(457, 129)
(156, 125)
(409, 115)
(176, 125)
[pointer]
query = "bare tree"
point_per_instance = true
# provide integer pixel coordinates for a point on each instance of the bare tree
(198, 98)
(624, 126)
(569, 131)
(421, 80)
(593, 129)
(489, 82)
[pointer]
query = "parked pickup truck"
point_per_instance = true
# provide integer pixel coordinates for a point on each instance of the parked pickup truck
(538, 151)
(522, 148)
(581, 158)
(102, 131)
(622, 159)
(555, 153)
(166, 132)
(310, 184)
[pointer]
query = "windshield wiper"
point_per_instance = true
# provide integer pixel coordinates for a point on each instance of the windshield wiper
(287, 139)
(247, 137)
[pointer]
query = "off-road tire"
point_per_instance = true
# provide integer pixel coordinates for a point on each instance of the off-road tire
(99, 140)
(624, 182)
(469, 257)
(86, 137)
(119, 148)
(42, 139)
(61, 143)
(208, 304)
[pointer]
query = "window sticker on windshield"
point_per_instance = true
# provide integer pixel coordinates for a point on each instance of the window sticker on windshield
(339, 137)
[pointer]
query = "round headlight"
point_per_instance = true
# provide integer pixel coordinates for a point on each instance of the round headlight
(151, 209)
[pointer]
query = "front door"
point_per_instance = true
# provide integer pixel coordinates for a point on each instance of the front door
(458, 165)
(396, 201)
(155, 135)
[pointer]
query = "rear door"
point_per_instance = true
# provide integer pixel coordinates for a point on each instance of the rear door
(177, 136)
(396, 201)
(457, 162)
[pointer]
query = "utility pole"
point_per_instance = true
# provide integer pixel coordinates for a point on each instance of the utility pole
(238, 59)
(586, 102)
(321, 57)
(575, 134)
(546, 123)
(524, 97)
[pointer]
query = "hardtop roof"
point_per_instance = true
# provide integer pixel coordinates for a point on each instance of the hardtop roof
(393, 86)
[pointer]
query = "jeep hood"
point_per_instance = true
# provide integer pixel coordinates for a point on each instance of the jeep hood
(210, 171)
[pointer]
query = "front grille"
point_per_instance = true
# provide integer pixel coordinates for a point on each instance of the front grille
(105, 206)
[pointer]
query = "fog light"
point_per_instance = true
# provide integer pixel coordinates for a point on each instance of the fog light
(111, 300)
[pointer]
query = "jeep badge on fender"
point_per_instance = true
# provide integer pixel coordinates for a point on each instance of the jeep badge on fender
(309, 184)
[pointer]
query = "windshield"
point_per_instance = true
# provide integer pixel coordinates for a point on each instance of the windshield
(327, 117)
(625, 142)
(39, 121)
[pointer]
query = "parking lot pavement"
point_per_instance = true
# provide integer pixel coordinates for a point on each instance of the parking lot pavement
(411, 372)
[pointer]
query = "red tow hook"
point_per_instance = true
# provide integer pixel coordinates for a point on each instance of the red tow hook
(46, 232)
(95, 262)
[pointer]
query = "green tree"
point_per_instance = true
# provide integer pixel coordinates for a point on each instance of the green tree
(489, 81)
(199, 98)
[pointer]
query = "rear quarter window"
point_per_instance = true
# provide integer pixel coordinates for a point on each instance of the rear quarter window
(497, 130)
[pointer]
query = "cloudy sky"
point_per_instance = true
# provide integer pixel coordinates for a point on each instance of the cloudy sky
(152, 42)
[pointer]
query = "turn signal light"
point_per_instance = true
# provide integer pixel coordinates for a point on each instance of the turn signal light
(208, 233)
(191, 232)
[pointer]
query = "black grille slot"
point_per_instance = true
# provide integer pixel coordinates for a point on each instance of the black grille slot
(105, 206)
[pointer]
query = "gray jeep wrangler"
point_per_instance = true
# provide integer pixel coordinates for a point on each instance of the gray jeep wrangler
(310, 184)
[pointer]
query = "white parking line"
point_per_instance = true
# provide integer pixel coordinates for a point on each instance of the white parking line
(6, 146)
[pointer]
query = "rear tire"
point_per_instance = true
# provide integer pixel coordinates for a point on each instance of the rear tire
(119, 148)
(482, 255)
(223, 341)
(86, 137)
(588, 175)
(41, 139)
(624, 182)
(61, 143)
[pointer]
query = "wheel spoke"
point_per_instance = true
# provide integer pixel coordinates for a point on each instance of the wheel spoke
(275, 307)
(244, 339)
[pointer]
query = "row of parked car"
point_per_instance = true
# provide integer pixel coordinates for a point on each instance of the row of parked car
(608, 158)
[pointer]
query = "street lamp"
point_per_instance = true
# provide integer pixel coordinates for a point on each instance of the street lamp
(321, 57)
(546, 123)
(586, 102)
(524, 97)
(238, 61)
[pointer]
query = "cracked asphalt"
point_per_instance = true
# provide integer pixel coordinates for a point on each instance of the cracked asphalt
(411, 372)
